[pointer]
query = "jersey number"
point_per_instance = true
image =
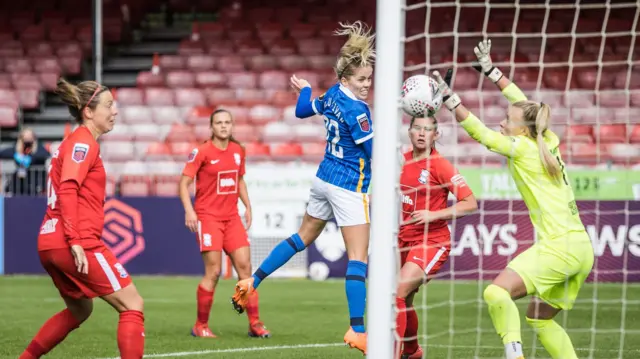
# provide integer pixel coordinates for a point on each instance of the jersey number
(562, 169)
(333, 137)
(51, 193)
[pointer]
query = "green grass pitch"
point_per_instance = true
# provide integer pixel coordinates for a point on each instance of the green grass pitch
(307, 320)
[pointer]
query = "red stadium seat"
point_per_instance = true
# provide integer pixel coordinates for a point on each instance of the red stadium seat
(17, 65)
(579, 99)
(211, 30)
(211, 79)
(71, 65)
(165, 186)
(323, 63)
(159, 97)
(313, 151)
(180, 132)
(613, 133)
(277, 132)
(223, 47)
(286, 151)
(579, 134)
(180, 150)
(260, 14)
(251, 97)
(33, 33)
(190, 97)
(112, 150)
(283, 98)
(135, 186)
(592, 115)
(283, 47)
(293, 63)
(199, 115)
(262, 63)
(134, 114)
(263, 114)
(247, 133)
(200, 63)
(38, 49)
(157, 151)
(5, 79)
(231, 64)
(61, 32)
(148, 79)
(216, 97)
(8, 115)
(145, 131)
(309, 132)
(634, 136)
(180, 79)
(202, 132)
(130, 96)
(166, 115)
(172, 62)
(256, 151)
(239, 31)
(249, 47)
(274, 80)
(240, 114)
(268, 32)
(242, 80)
(288, 15)
(188, 47)
(613, 99)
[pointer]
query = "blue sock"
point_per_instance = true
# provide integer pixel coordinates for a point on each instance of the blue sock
(356, 293)
(278, 257)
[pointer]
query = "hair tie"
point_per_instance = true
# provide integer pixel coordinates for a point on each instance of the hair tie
(541, 103)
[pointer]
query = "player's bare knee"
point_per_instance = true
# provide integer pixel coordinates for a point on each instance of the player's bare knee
(80, 309)
(244, 270)
(134, 302)
(310, 229)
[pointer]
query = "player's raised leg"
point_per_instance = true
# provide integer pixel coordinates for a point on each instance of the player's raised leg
(241, 259)
(552, 336)
(58, 327)
(309, 231)
(500, 296)
(205, 293)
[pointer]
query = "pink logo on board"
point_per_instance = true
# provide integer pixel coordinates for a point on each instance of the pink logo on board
(123, 232)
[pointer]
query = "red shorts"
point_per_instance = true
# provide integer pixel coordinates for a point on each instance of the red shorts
(227, 235)
(430, 256)
(106, 275)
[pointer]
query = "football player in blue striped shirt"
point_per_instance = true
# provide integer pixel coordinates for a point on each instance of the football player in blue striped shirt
(340, 188)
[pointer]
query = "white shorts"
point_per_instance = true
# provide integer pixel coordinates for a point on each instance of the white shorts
(327, 201)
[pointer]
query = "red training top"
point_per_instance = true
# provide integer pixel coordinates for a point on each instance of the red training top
(430, 180)
(75, 194)
(217, 173)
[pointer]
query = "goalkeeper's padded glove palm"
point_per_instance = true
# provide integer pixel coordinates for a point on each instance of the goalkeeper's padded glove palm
(451, 99)
(484, 64)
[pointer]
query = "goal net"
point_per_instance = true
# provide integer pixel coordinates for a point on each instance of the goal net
(583, 59)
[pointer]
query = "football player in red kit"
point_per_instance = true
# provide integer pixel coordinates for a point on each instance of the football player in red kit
(69, 244)
(424, 240)
(218, 166)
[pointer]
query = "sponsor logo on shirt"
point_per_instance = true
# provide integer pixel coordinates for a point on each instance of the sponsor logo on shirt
(213, 162)
(407, 200)
(228, 182)
(79, 152)
(49, 226)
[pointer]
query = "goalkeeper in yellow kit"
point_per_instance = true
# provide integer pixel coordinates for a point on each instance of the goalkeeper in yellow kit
(554, 268)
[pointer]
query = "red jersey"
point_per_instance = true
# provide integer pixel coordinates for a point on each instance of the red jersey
(77, 159)
(429, 179)
(217, 173)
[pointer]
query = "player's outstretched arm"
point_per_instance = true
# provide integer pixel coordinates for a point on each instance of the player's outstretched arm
(485, 66)
(494, 141)
(305, 107)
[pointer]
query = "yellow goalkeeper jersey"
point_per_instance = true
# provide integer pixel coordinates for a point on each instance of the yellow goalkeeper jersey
(552, 206)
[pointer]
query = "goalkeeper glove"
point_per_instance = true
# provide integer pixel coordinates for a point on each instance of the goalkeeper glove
(451, 99)
(484, 64)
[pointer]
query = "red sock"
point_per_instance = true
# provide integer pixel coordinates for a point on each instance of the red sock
(411, 345)
(131, 334)
(401, 322)
(252, 308)
(205, 301)
(51, 334)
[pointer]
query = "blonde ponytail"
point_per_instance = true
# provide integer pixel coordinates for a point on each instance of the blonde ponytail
(542, 123)
(357, 51)
(85, 94)
(537, 117)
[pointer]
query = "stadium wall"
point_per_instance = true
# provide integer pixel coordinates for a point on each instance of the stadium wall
(149, 237)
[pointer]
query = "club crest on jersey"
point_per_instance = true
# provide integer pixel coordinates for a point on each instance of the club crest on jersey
(363, 122)
(424, 174)
(79, 152)
(192, 155)
(236, 157)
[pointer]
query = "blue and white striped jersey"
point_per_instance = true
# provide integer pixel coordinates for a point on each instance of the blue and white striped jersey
(348, 123)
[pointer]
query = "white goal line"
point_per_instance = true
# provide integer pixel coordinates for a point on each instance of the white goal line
(328, 345)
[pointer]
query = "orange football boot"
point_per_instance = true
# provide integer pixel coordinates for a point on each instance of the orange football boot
(202, 331)
(241, 297)
(258, 330)
(415, 355)
(356, 340)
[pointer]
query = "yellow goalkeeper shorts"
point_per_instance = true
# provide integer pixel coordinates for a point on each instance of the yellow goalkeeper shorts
(554, 269)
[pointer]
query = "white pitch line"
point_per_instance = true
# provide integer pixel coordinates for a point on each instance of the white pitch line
(327, 345)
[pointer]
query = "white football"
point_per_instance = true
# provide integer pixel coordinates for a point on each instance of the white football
(421, 96)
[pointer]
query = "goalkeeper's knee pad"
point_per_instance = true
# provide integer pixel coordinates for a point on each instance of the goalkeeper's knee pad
(494, 294)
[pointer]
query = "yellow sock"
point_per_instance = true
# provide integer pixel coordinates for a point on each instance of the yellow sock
(554, 338)
(504, 314)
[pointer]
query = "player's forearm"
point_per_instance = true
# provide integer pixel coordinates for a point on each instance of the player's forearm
(243, 192)
(185, 196)
(462, 208)
(304, 106)
(68, 200)
(512, 92)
